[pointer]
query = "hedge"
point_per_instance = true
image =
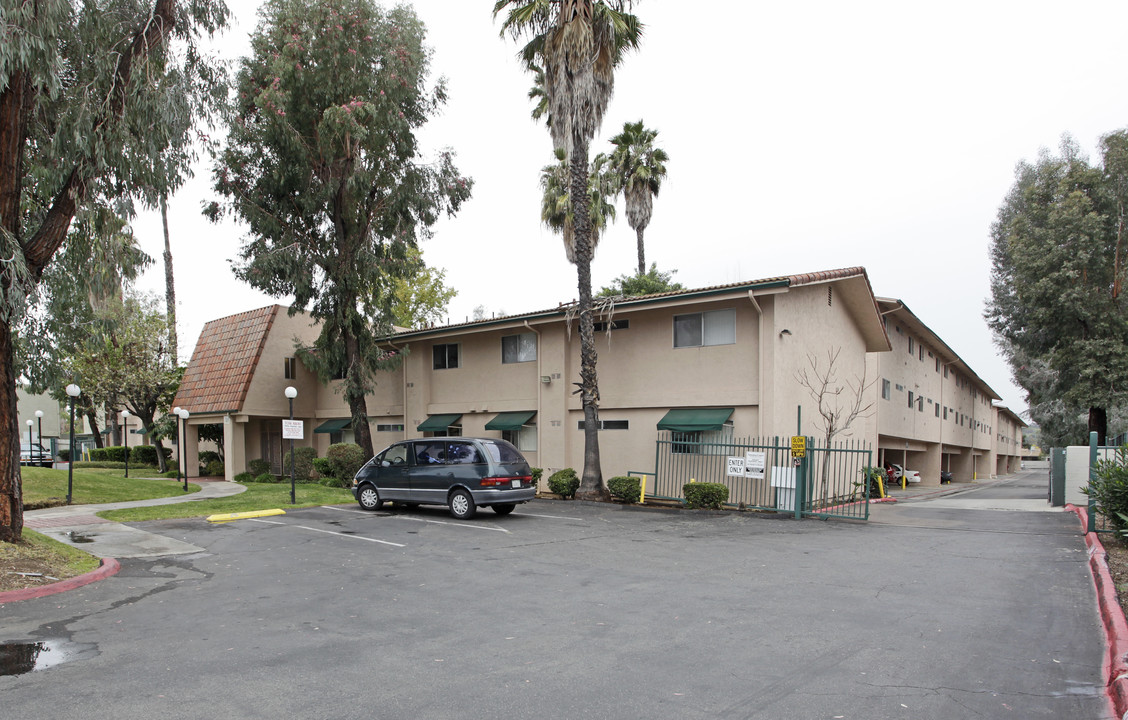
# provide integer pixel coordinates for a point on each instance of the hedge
(564, 483)
(303, 463)
(705, 495)
(625, 489)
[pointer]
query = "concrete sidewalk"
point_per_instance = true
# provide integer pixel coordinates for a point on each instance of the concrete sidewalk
(78, 525)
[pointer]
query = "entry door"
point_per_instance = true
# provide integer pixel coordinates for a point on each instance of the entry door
(272, 449)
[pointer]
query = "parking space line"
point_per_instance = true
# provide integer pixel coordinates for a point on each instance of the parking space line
(425, 520)
(329, 532)
(551, 517)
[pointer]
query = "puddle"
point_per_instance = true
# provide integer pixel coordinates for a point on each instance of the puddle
(17, 658)
(77, 537)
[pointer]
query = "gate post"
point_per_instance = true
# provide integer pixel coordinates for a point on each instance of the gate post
(1092, 468)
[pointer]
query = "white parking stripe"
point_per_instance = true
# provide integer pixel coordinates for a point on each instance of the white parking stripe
(551, 517)
(329, 532)
(436, 522)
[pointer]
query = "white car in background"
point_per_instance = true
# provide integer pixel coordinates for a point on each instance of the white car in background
(912, 476)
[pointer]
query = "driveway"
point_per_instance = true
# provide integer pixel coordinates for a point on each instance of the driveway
(977, 604)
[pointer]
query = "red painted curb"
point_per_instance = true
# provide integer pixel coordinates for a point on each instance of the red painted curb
(109, 568)
(1115, 664)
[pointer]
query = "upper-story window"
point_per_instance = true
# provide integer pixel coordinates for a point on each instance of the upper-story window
(519, 348)
(717, 327)
(910, 346)
(445, 356)
(291, 370)
(886, 393)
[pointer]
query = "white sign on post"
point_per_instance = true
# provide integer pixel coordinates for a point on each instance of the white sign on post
(293, 430)
(754, 463)
(736, 467)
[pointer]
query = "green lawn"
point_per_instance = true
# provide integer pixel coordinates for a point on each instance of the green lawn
(45, 487)
(258, 496)
(41, 554)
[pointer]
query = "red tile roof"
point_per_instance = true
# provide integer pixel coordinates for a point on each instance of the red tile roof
(224, 361)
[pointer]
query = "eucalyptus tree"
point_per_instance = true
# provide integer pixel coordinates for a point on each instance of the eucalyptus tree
(639, 168)
(1057, 306)
(578, 43)
(556, 201)
(322, 164)
(96, 99)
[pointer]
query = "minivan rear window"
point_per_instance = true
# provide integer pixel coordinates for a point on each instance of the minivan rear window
(502, 452)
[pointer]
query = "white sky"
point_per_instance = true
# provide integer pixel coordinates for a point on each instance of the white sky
(802, 137)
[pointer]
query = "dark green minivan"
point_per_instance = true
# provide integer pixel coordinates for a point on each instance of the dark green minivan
(461, 473)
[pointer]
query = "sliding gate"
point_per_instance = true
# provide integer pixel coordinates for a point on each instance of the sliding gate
(762, 474)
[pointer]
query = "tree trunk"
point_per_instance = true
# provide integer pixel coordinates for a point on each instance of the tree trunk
(11, 497)
(147, 423)
(641, 252)
(1098, 423)
(354, 394)
(170, 287)
(591, 483)
(92, 420)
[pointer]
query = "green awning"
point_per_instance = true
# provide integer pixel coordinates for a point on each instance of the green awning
(332, 426)
(435, 423)
(695, 419)
(510, 420)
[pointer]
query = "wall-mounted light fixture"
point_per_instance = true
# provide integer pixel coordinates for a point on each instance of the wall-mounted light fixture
(546, 379)
(784, 331)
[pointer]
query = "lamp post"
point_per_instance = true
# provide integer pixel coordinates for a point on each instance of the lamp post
(176, 414)
(291, 393)
(125, 415)
(184, 416)
(73, 391)
(38, 416)
(30, 443)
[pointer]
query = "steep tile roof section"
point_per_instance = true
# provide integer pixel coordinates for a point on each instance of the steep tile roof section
(224, 361)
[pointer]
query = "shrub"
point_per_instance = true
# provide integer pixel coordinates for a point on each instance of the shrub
(170, 474)
(267, 478)
(303, 463)
(244, 477)
(705, 495)
(146, 455)
(207, 457)
(537, 473)
(345, 459)
(1109, 488)
(64, 455)
(103, 464)
(564, 483)
(322, 467)
(113, 453)
(214, 468)
(258, 466)
(330, 481)
(626, 489)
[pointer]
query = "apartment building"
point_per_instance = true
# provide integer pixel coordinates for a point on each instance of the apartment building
(718, 362)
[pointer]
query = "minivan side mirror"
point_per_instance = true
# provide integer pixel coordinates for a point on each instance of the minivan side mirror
(385, 463)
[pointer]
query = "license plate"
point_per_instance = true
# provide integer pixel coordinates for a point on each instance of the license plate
(516, 483)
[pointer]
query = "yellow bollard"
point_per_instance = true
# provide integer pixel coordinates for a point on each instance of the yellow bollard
(642, 497)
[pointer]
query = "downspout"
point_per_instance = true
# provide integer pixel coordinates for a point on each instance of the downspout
(760, 363)
(540, 460)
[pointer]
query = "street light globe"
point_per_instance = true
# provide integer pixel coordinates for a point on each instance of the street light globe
(38, 413)
(184, 413)
(29, 423)
(176, 411)
(291, 392)
(125, 413)
(73, 390)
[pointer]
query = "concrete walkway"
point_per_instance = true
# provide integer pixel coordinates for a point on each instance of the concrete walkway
(78, 525)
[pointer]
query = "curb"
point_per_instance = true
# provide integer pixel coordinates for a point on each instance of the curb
(1115, 664)
(109, 568)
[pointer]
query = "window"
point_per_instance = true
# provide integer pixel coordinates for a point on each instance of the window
(937, 410)
(911, 400)
(291, 370)
(451, 431)
(702, 442)
(886, 392)
(524, 439)
(615, 325)
(389, 428)
(910, 346)
(708, 328)
(920, 403)
(921, 350)
(937, 364)
(519, 348)
(945, 371)
(945, 413)
(609, 425)
(445, 356)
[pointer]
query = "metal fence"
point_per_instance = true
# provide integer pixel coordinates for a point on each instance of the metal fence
(827, 482)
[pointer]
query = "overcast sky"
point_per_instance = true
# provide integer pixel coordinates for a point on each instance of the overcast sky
(802, 137)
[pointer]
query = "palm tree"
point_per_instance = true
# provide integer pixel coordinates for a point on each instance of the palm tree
(556, 203)
(578, 43)
(639, 168)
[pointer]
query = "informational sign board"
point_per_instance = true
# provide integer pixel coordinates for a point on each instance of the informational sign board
(754, 463)
(293, 430)
(736, 467)
(798, 446)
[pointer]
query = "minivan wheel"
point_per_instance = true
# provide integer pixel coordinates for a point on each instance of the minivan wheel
(369, 499)
(504, 508)
(462, 505)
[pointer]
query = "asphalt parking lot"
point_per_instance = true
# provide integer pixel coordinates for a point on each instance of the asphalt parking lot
(962, 607)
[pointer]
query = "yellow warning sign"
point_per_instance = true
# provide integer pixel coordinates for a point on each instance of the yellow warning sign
(798, 446)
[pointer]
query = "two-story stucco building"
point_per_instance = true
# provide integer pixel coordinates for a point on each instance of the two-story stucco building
(720, 360)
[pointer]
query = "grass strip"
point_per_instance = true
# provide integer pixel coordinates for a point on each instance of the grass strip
(46, 487)
(38, 553)
(259, 496)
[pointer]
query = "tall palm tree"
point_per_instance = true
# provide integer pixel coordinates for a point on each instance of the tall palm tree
(578, 43)
(639, 168)
(556, 203)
